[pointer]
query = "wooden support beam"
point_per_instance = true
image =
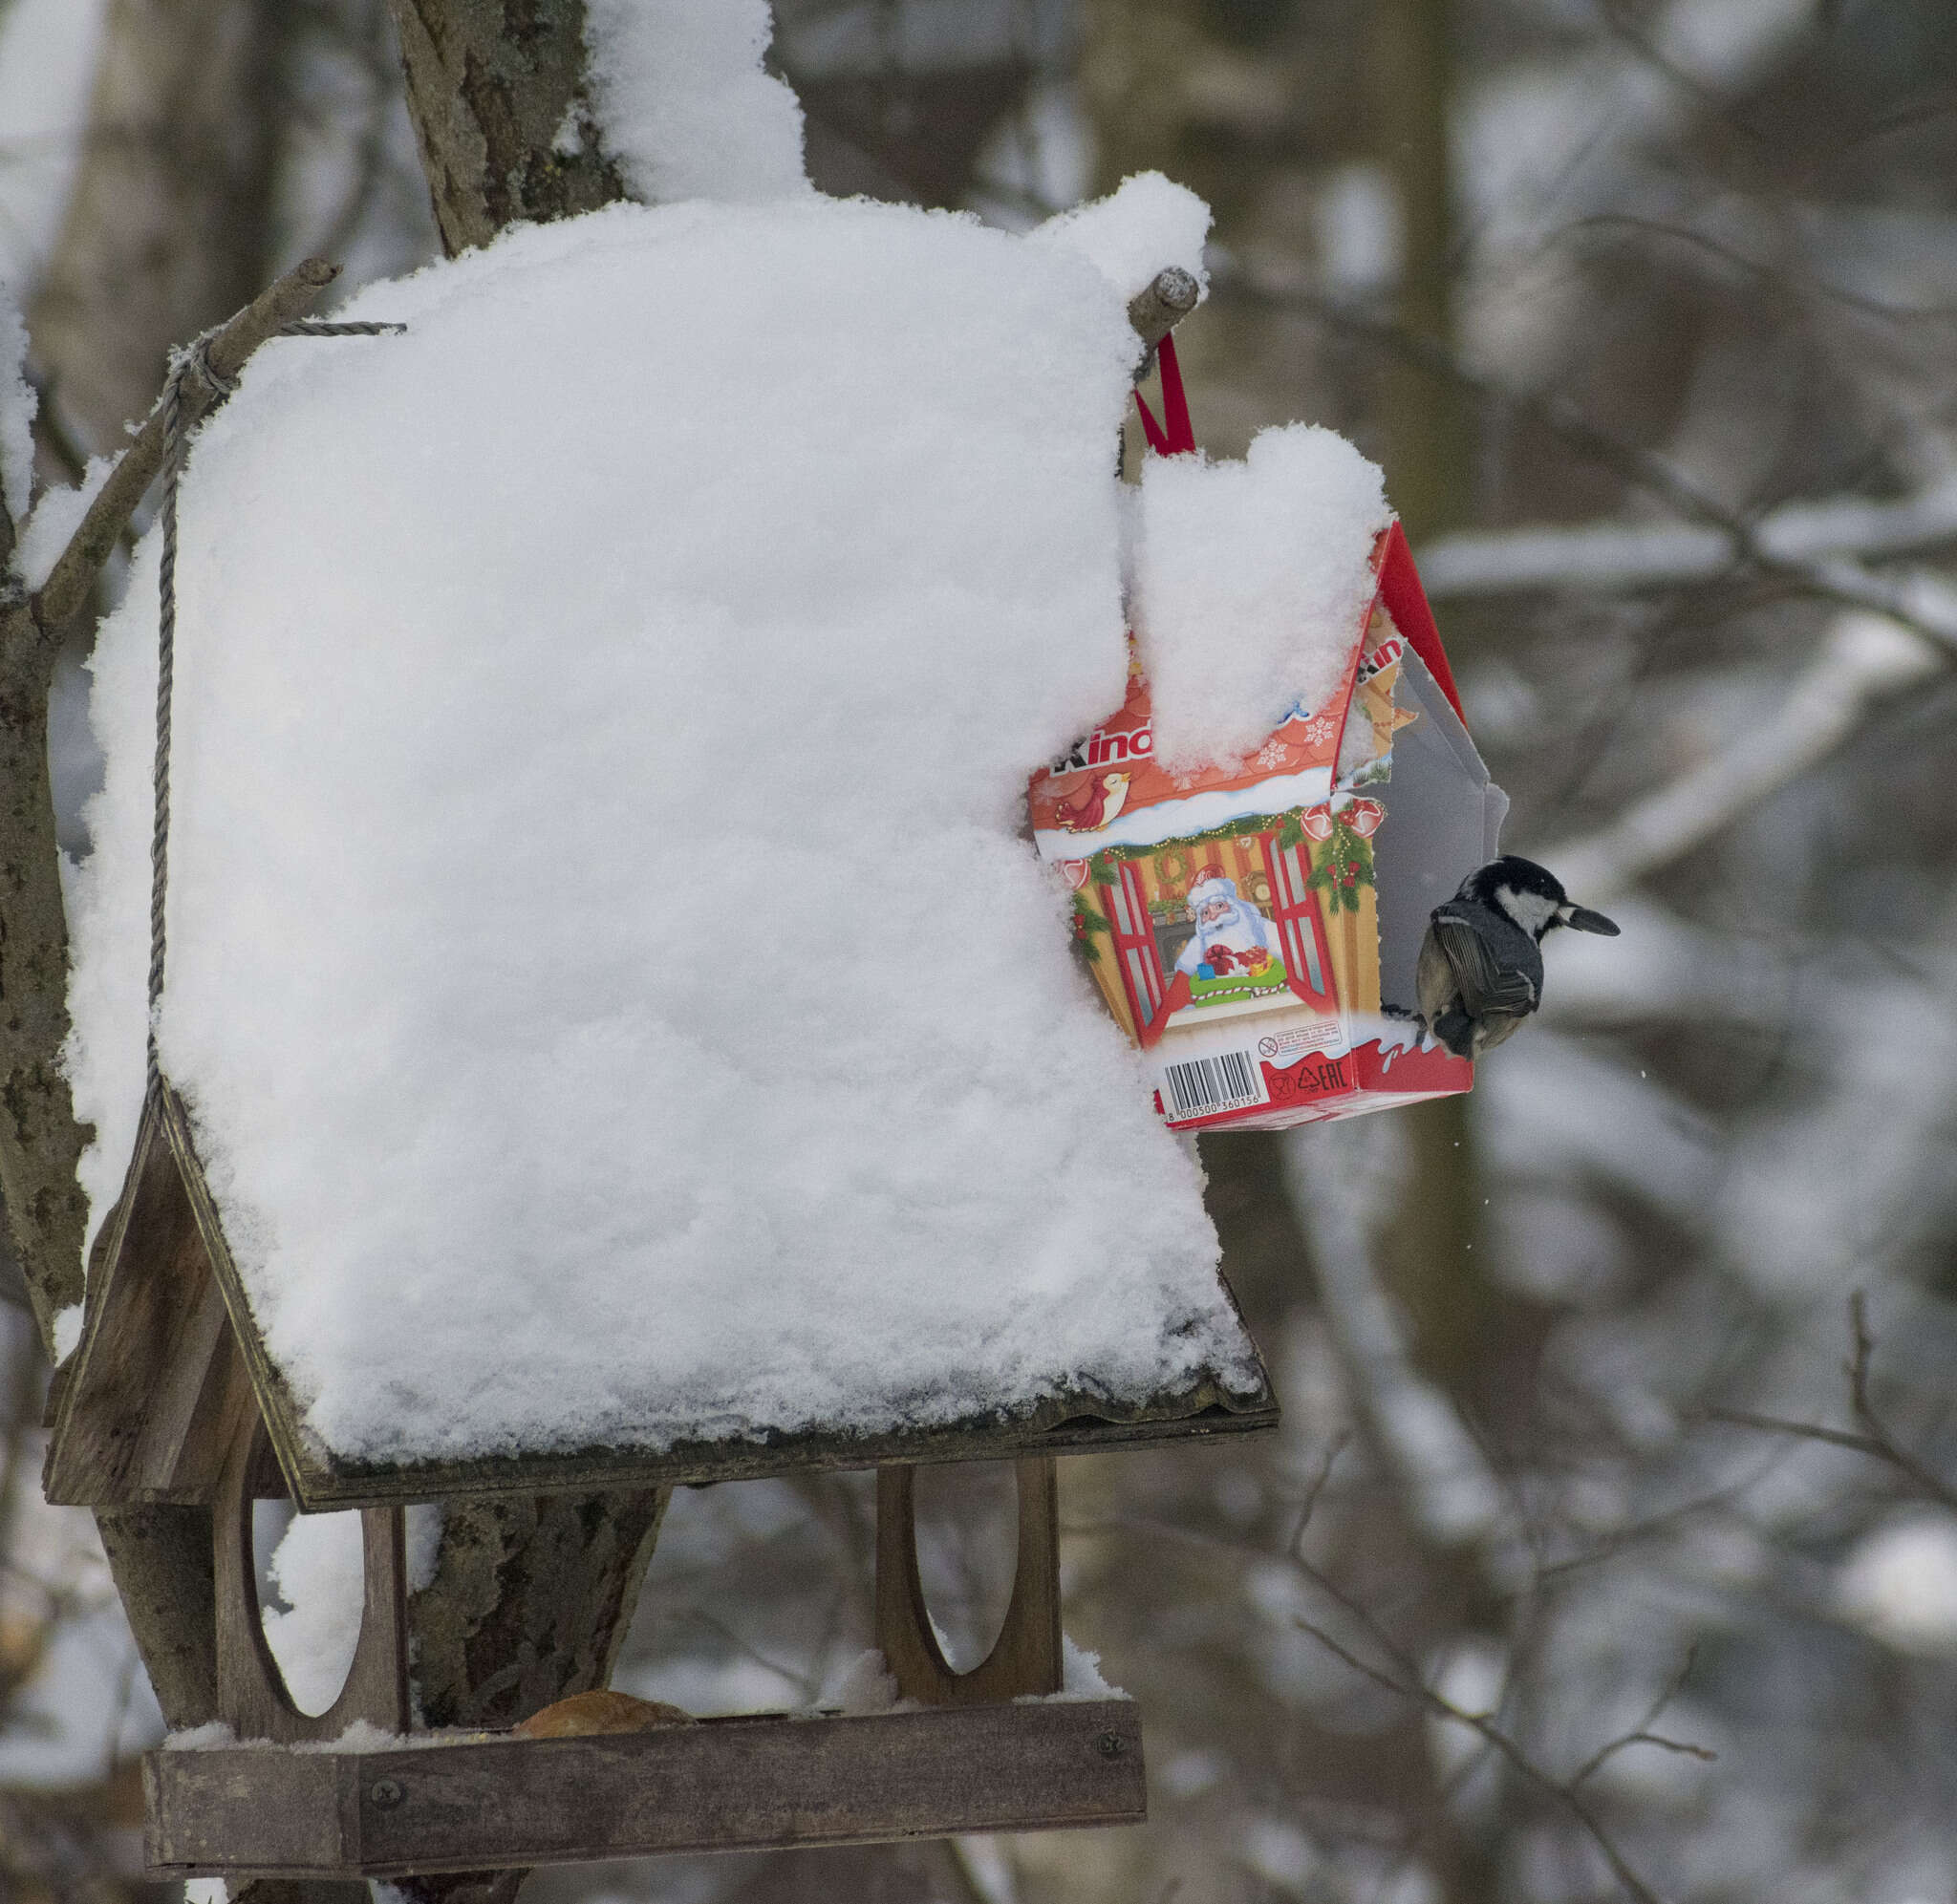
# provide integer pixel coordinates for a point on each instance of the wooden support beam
(252, 1695)
(1027, 1655)
(725, 1785)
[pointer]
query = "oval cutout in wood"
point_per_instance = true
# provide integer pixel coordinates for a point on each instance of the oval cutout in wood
(968, 1546)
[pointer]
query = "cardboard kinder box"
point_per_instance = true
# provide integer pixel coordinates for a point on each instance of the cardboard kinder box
(1255, 926)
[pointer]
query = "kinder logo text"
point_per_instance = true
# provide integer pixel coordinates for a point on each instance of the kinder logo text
(1102, 747)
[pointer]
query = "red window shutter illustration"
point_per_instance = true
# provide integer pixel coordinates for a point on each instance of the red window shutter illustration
(1134, 949)
(1301, 925)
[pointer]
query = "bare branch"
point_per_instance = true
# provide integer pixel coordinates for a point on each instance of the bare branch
(1317, 1487)
(1161, 305)
(75, 571)
(1921, 601)
(1449, 1487)
(1641, 1734)
(1406, 1680)
(1876, 1440)
(1891, 1450)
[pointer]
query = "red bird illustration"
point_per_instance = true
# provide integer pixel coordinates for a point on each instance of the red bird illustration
(1094, 806)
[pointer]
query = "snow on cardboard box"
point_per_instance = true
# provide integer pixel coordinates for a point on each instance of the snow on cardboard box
(1254, 924)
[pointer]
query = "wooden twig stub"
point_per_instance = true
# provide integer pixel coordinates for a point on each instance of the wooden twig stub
(1160, 305)
(727, 1785)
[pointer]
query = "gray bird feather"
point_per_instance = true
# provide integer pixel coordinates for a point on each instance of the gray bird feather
(1479, 976)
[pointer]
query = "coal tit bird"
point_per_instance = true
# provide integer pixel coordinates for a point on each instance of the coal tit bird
(1481, 972)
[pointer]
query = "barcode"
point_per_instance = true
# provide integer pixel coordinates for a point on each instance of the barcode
(1205, 1085)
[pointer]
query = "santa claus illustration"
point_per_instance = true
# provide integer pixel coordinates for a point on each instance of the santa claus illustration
(1232, 936)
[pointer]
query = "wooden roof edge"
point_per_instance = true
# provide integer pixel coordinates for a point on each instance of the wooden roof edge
(1069, 1425)
(319, 1481)
(61, 1480)
(299, 1452)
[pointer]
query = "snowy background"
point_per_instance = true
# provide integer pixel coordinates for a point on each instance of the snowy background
(1646, 311)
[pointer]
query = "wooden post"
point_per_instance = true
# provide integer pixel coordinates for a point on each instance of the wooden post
(252, 1695)
(1026, 1657)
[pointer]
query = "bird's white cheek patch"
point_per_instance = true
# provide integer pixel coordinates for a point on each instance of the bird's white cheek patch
(1530, 910)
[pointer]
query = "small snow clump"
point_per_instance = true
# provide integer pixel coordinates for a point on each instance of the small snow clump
(1250, 580)
(56, 515)
(682, 104)
(1139, 230)
(864, 1685)
(18, 404)
(319, 1570)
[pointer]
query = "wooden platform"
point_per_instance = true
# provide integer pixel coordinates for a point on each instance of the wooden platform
(747, 1783)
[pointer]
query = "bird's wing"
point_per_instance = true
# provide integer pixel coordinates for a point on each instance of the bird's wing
(1486, 988)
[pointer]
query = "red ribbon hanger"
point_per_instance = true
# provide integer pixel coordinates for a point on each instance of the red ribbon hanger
(1175, 435)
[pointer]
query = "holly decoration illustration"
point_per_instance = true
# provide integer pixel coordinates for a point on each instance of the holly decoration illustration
(1086, 922)
(1347, 863)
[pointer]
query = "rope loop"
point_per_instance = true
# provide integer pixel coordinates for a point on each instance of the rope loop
(192, 361)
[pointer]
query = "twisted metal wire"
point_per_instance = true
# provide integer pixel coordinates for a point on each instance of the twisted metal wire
(193, 362)
(306, 327)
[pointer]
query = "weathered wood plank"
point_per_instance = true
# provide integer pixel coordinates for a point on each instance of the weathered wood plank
(147, 1387)
(194, 1800)
(727, 1785)
(322, 1484)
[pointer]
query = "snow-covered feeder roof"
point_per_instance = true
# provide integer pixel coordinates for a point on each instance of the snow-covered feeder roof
(613, 1002)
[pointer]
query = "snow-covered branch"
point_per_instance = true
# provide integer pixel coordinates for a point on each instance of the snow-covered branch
(1921, 600)
(1609, 557)
(1864, 660)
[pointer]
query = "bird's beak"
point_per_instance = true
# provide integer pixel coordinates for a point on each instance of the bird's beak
(1586, 920)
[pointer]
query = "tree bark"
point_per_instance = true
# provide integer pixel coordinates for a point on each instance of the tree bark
(529, 1602)
(496, 89)
(40, 1142)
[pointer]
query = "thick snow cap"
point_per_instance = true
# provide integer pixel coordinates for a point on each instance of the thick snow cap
(614, 999)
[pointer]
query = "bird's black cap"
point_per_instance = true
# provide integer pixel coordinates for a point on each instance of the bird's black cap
(1522, 875)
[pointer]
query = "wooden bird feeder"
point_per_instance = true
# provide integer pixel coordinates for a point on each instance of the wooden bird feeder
(174, 1394)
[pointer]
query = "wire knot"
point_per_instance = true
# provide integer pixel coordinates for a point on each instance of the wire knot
(198, 359)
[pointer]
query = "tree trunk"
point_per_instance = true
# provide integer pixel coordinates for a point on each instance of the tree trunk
(531, 1597)
(168, 230)
(529, 1602)
(40, 1142)
(496, 89)
(1431, 1247)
